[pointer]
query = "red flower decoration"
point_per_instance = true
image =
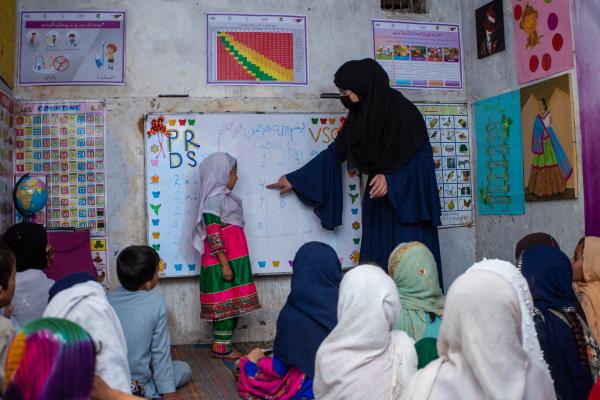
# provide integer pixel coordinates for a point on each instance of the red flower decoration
(158, 126)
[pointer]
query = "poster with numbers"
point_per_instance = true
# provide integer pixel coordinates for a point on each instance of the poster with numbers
(250, 49)
(7, 143)
(449, 135)
(64, 140)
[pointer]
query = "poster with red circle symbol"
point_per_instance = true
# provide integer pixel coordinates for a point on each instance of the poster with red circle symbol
(543, 40)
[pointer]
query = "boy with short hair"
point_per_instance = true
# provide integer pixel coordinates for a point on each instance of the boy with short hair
(143, 315)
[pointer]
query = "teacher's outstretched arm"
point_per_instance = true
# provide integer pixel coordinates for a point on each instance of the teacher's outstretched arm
(318, 184)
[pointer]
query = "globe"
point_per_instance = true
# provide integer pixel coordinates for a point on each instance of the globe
(30, 195)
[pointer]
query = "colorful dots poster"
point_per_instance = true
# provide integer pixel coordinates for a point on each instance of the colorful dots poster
(543, 39)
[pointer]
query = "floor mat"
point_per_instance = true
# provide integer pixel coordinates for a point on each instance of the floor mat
(211, 379)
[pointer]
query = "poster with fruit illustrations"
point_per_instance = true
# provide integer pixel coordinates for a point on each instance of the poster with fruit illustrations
(448, 128)
(543, 39)
(266, 146)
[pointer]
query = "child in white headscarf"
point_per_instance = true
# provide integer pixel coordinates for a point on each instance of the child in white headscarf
(487, 344)
(364, 357)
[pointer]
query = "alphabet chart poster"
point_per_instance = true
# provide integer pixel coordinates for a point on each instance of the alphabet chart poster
(419, 54)
(7, 142)
(72, 48)
(266, 146)
(448, 128)
(250, 49)
(65, 141)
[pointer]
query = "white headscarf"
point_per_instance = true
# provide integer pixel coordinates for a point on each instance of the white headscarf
(512, 275)
(214, 173)
(86, 305)
(363, 358)
(481, 346)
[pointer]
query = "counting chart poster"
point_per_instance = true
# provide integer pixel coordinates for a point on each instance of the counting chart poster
(64, 140)
(72, 48)
(250, 49)
(266, 146)
(449, 135)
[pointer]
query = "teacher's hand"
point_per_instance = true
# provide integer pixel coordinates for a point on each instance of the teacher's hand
(283, 185)
(378, 187)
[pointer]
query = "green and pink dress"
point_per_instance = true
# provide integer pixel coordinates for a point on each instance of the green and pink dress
(219, 229)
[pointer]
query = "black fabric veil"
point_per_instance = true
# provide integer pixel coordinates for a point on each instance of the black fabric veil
(386, 129)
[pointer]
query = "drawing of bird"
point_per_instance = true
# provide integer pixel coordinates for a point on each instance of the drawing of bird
(467, 203)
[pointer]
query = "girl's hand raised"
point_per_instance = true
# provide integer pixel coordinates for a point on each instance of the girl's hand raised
(283, 185)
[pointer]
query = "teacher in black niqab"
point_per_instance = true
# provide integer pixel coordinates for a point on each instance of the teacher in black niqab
(383, 129)
(384, 137)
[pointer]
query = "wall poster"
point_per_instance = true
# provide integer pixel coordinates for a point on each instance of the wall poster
(72, 48)
(448, 128)
(499, 155)
(419, 54)
(250, 49)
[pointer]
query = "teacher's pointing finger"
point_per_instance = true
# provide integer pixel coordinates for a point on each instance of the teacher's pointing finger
(283, 185)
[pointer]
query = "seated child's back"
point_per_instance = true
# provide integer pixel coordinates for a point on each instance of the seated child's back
(143, 315)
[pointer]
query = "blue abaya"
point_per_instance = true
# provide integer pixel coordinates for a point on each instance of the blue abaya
(409, 212)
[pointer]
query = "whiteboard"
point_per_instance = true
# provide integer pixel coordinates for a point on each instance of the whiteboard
(266, 147)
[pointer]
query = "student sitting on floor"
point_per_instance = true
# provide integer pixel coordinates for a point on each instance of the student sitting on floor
(7, 289)
(307, 318)
(29, 243)
(80, 299)
(143, 315)
(50, 358)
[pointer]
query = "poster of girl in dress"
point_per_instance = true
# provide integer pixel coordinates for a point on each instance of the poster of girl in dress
(549, 153)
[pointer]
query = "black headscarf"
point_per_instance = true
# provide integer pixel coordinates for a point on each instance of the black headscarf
(535, 239)
(28, 241)
(385, 129)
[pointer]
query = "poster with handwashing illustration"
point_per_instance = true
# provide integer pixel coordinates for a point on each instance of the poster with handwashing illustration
(266, 146)
(72, 48)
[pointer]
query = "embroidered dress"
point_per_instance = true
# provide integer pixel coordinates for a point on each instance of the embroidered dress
(222, 299)
(550, 166)
(220, 229)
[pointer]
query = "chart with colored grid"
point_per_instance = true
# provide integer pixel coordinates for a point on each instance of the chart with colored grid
(250, 49)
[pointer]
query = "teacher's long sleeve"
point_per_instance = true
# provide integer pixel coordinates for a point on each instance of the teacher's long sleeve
(319, 184)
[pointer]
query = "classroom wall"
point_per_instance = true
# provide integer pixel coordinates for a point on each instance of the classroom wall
(165, 54)
(497, 234)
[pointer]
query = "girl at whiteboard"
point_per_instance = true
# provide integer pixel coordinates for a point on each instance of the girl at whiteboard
(226, 287)
(384, 137)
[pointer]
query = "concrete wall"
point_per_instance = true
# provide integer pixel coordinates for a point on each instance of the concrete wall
(497, 235)
(165, 54)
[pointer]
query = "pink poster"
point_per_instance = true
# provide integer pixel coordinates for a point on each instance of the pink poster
(543, 41)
